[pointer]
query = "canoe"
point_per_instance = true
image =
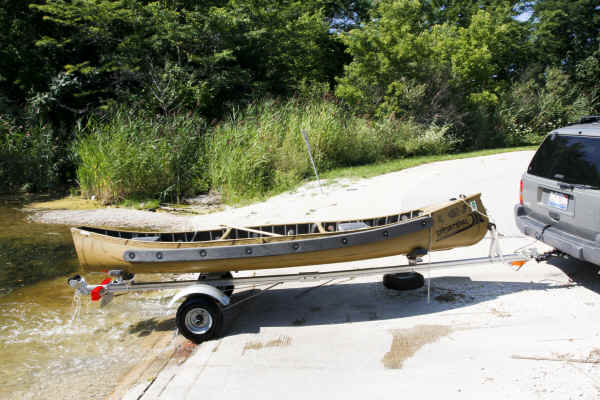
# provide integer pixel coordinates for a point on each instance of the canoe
(456, 223)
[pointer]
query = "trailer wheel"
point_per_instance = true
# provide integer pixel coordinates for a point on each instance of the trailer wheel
(199, 318)
(403, 281)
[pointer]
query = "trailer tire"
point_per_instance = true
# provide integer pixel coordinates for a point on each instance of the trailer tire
(199, 318)
(403, 281)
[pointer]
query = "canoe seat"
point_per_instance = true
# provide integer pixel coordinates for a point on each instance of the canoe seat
(352, 226)
(147, 238)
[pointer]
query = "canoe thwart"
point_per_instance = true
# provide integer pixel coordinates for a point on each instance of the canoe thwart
(241, 228)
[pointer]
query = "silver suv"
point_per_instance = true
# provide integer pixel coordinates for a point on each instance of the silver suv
(560, 191)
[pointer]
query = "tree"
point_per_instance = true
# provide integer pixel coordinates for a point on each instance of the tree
(565, 32)
(406, 66)
(23, 67)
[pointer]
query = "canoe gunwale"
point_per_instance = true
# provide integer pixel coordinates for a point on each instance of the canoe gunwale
(298, 246)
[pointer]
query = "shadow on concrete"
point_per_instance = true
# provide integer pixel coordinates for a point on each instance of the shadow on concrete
(357, 302)
(580, 272)
(146, 327)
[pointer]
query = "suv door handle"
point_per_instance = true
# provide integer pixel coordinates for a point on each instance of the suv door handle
(554, 216)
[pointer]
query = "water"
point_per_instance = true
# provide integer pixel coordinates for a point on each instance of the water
(47, 351)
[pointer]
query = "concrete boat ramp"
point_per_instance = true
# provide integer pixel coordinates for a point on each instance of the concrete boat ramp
(473, 332)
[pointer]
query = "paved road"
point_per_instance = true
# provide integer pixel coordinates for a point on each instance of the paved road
(487, 332)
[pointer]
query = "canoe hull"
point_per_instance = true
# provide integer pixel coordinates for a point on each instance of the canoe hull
(454, 224)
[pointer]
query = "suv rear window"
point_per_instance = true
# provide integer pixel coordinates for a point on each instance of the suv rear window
(569, 159)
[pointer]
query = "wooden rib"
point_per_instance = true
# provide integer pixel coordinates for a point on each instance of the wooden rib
(250, 230)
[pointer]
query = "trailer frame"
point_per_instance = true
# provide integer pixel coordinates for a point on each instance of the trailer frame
(200, 315)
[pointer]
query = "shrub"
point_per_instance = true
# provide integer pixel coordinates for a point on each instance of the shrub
(533, 107)
(30, 156)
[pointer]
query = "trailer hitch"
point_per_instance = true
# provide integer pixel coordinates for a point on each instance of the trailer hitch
(552, 253)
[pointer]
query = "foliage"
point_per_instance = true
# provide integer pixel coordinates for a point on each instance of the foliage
(405, 65)
(129, 155)
(261, 149)
(30, 157)
(202, 55)
(411, 77)
(566, 31)
(533, 107)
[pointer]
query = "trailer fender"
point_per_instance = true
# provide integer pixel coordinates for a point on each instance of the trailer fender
(201, 289)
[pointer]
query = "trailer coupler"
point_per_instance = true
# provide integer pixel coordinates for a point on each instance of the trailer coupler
(552, 253)
(101, 291)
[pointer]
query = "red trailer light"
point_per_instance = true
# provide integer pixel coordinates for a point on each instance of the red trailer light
(521, 193)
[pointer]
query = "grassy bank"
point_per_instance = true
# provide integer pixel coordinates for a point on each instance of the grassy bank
(128, 156)
(363, 171)
(368, 171)
(380, 168)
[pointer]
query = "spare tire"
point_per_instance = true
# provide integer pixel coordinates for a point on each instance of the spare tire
(403, 281)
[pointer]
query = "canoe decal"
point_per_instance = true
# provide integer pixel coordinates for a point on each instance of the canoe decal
(457, 227)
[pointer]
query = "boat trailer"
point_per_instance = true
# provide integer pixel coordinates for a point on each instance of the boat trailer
(200, 315)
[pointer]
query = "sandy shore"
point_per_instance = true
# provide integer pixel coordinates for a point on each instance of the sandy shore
(117, 217)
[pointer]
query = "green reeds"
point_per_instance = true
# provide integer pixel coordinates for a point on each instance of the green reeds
(254, 152)
(127, 155)
(260, 150)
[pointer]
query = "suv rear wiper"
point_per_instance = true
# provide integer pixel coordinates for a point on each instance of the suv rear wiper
(577, 186)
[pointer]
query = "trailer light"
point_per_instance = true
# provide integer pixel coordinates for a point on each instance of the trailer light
(99, 290)
(521, 193)
(518, 264)
(97, 293)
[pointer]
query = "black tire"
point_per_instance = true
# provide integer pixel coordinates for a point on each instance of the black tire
(199, 318)
(403, 281)
(228, 290)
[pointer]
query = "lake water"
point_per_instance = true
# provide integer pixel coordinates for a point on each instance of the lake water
(45, 352)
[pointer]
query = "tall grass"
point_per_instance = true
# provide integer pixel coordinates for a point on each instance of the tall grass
(261, 150)
(258, 150)
(129, 155)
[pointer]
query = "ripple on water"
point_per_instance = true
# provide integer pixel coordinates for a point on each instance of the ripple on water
(44, 349)
(51, 346)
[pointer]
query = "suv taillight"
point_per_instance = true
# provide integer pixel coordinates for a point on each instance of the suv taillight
(521, 193)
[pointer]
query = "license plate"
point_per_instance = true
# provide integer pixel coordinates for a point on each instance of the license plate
(558, 200)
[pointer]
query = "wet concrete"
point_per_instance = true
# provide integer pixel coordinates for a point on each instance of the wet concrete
(282, 341)
(406, 342)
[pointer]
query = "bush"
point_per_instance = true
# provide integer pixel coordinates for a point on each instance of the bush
(129, 155)
(30, 156)
(533, 107)
(433, 140)
(260, 150)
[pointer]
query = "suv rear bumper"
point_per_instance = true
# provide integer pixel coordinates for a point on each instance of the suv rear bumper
(577, 247)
